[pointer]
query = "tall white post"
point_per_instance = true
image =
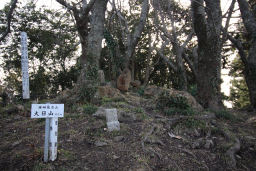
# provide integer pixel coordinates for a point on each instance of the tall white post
(46, 139)
(53, 138)
(50, 112)
(24, 66)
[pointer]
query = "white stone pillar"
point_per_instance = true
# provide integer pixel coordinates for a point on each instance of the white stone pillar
(112, 120)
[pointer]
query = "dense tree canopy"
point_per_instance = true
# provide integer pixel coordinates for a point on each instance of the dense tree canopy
(161, 42)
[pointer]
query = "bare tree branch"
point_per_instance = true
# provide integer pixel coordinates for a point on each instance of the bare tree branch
(65, 4)
(191, 65)
(231, 9)
(166, 59)
(239, 47)
(9, 19)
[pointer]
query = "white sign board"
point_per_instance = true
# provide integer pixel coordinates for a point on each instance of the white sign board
(24, 65)
(47, 110)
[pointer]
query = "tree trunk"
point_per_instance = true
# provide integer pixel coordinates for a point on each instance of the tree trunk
(250, 74)
(96, 32)
(82, 19)
(209, 49)
(91, 49)
(250, 60)
(82, 28)
(133, 39)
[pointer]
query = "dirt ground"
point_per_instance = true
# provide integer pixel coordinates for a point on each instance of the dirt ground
(148, 140)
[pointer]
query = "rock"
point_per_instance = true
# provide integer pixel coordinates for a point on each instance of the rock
(152, 90)
(16, 143)
(197, 144)
(16, 109)
(190, 99)
(197, 134)
(98, 124)
(80, 109)
(124, 80)
(101, 77)
(112, 120)
(20, 108)
(118, 138)
(208, 144)
(251, 120)
(100, 144)
(100, 113)
(126, 117)
(108, 91)
(136, 83)
(155, 91)
(115, 157)
(113, 126)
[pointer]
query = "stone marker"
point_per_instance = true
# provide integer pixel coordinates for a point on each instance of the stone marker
(101, 77)
(112, 120)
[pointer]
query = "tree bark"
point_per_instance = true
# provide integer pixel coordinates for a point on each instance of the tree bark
(133, 39)
(82, 22)
(208, 31)
(249, 60)
(95, 36)
(9, 19)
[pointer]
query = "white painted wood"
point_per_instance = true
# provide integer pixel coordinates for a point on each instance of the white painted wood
(46, 139)
(24, 66)
(47, 110)
(53, 138)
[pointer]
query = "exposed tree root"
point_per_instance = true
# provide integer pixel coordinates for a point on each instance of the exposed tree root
(146, 139)
(178, 119)
(232, 151)
(191, 154)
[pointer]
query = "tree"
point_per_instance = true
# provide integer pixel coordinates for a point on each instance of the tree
(9, 19)
(247, 54)
(81, 16)
(131, 36)
(52, 46)
(170, 13)
(239, 91)
(207, 20)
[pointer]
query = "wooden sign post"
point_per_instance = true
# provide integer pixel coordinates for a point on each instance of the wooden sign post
(51, 112)
(24, 66)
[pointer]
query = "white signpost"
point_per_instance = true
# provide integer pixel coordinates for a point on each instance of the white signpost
(51, 112)
(24, 65)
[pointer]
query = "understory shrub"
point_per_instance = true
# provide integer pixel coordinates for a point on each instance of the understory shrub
(172, 105)
(225, 115)
(89, 109)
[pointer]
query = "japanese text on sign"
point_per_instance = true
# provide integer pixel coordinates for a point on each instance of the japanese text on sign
(24, 66)
(47, 110)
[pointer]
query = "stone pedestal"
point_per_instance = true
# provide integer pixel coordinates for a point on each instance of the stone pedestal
(112, 120)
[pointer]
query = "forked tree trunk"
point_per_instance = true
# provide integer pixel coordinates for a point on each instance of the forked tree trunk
(93, 45)
(207, 25)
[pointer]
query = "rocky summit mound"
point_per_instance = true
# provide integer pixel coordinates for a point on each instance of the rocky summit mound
(150, 138)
